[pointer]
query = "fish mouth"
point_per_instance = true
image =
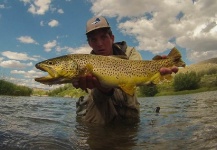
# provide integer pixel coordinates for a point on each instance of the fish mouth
(50, 78)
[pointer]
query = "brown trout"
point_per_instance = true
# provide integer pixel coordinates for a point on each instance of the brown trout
(111, 71)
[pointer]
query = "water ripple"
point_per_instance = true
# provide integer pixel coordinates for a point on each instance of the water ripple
(184, 122)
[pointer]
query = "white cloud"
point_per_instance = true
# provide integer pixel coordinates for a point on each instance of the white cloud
(27, 39)
(38, 7)
(2, 6)
(49, 45)
(17, 56)
(41, 23)
(193, 24)
(53, 23)
(60, 11)
(85, 49)
(28, 74)
(14, 64)
(17, 72)
(25, 1)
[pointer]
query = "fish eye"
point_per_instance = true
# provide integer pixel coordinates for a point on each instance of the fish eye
(50, 63)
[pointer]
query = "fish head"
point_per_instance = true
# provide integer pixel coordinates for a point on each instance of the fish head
(60, 70)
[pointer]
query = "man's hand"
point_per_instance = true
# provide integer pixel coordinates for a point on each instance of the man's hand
(90, 82)
(164, 70)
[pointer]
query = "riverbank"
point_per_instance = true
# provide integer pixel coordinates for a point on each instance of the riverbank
(205, 89)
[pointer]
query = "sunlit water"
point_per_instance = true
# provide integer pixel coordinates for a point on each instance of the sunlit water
(184, 122)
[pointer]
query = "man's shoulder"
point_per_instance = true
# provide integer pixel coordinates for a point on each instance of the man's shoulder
(121, 45)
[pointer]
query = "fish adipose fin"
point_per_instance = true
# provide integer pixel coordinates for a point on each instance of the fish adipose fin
(158, 78)
(128, 88)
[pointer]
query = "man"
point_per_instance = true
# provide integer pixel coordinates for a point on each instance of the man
(108, 104)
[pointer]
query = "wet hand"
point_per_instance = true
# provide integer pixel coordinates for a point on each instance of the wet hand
(89, 82)
(164, 70)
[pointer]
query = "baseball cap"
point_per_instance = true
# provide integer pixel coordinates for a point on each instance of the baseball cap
(96, 23)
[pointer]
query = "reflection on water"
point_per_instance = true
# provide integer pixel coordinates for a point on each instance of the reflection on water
(184, 122)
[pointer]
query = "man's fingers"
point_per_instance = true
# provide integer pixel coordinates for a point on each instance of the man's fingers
(165, 70)
(89, 81)
(175, 69)
(96, 82)
(82, 83)
(75, 83)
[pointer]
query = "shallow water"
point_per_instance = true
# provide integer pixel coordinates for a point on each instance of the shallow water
(184, 122)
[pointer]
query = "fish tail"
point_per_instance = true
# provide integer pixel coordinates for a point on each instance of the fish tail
(176, 57)
(174, 53)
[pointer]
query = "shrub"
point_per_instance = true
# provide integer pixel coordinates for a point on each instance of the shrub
(8, 88)
(148, 90)
(186, 81)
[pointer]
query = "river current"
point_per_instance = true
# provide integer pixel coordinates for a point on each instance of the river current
(48, 123)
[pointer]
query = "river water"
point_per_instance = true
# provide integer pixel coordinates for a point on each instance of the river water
(43, 123)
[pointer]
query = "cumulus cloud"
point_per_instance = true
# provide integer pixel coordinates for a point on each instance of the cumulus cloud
(25, 1)
(41, 23)
(53, 23)
(17, 56)
(38, 7)
(2, 6)
(60, 11)
(85, 49)
(192, 24)
(49, 45)
(14, 64)
(28, 74)
(27, 40)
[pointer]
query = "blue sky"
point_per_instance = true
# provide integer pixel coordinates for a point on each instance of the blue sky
(34, 30)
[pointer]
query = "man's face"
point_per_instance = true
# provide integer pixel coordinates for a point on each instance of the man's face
(101, 43)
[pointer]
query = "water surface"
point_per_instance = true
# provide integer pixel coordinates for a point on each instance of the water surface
(184, 122)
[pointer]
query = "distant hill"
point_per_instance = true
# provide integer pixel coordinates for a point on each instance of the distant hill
(201, 66)
(212, 61)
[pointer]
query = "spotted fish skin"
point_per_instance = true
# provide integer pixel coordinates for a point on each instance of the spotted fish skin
(111, 71)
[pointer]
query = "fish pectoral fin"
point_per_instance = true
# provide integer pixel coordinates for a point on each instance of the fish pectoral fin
(128, 88)
(88, 69)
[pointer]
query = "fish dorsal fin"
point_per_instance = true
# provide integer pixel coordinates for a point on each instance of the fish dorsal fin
(118, 56)
(174, 53)
(128, 88)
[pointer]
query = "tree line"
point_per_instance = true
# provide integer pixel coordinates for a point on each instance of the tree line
(8, 88)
